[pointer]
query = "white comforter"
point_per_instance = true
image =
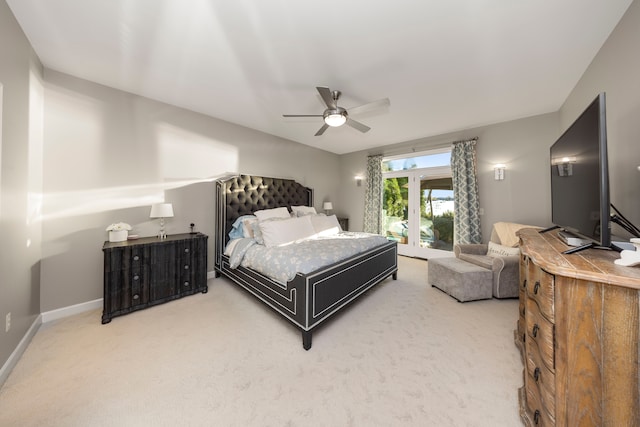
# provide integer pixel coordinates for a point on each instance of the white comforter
(282, 263)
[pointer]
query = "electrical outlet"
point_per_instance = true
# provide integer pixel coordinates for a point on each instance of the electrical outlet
(7, 323)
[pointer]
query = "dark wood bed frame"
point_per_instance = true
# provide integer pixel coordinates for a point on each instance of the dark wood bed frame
(309, 299)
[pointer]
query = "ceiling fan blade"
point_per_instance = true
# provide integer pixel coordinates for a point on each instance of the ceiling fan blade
(327, 97)
(357, 125)
(322, 129)
(380, 103)
(302, 115)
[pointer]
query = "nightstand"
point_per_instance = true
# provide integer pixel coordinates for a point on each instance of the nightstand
(344, 223)
(149, 271)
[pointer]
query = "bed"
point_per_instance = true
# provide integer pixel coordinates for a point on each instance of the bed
(308, 299)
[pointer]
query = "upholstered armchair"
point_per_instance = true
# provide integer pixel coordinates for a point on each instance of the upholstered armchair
(501, 255)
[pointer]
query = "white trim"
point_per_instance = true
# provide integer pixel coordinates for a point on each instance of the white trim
(19, 350)
(60, 313)
(211, 275)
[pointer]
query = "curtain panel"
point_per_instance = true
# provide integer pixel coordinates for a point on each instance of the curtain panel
(466, 221)
(373, 196)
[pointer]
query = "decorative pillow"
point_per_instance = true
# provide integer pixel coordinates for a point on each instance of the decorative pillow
(325, 225)
(247, 227)
(303, 210)
(237, 231)
(272, 213)
(276, 233)
(497, 250)
(257, 233)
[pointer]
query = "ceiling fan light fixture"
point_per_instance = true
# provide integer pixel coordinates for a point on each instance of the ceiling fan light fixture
(335, 118)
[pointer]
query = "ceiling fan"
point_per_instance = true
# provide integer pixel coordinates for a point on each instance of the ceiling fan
(335, 116)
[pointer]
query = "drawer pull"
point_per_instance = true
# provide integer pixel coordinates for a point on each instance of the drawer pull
(536, 417)
(536, 374)
(536, 287)
(136, 258)
(136, 296)
(186, 283)
(186, 250)
(186, 267)
(136, 277)
(534, 330)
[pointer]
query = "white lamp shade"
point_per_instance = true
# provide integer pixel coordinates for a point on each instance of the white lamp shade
(161, 210)
(327, 206)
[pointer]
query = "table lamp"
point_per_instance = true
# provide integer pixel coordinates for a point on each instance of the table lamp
(162, 211)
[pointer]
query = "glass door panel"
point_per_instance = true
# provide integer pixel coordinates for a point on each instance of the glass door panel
(417, 208)
(436, 213)
(418, 212)
(395, 212)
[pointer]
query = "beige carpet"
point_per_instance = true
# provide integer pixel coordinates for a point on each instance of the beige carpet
(405, 355)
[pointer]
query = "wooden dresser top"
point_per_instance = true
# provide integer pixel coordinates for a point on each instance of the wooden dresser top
(545, 249)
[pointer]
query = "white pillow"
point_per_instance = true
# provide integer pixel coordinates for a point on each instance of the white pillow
(272, 213)
(276, 233)
(256, 232)
(496, 250)
(325, 225)
(303, 210)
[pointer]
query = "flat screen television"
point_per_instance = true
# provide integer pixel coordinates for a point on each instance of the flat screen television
(580, 180)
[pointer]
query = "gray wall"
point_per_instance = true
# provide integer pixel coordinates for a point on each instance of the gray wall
(109, 155)
(522, 145)
(20, 182)
(616, 71)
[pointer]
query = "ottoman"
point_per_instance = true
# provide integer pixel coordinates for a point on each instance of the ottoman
(460, 279)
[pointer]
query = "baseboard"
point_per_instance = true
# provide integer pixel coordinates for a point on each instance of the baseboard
(63, 312)
(211, 275)
(19, 350)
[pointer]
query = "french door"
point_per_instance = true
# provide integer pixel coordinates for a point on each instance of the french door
(417, 211)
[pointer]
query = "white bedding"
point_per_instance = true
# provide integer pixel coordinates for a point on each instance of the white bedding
(282, 263)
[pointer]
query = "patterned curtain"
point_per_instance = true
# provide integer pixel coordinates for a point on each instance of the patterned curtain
(466, 221)
(373, 196)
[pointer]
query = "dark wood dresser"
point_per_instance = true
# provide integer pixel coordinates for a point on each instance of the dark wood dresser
(578, 332)
(148, 271)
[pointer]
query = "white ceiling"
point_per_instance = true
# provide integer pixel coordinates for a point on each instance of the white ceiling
(445, 65)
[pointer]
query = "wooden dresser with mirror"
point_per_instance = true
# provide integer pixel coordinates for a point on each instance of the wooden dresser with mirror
(578, 332)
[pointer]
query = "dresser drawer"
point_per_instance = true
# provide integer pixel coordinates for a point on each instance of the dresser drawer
(540, 377)
(127, 288)
(540, 334)
(540, 287)
(537, 414)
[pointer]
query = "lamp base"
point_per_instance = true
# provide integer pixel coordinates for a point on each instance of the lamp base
(162, 234)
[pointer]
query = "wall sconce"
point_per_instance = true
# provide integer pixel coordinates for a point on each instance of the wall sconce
(358, 179)
(162, 211)
(498, 171)
(327, 206)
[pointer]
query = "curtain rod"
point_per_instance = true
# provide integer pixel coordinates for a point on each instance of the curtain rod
(420, 148)
(475, 138)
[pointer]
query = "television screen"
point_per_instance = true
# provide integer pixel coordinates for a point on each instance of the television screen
(580, 178)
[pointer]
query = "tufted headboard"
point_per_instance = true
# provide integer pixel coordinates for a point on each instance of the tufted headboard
(245, 194)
